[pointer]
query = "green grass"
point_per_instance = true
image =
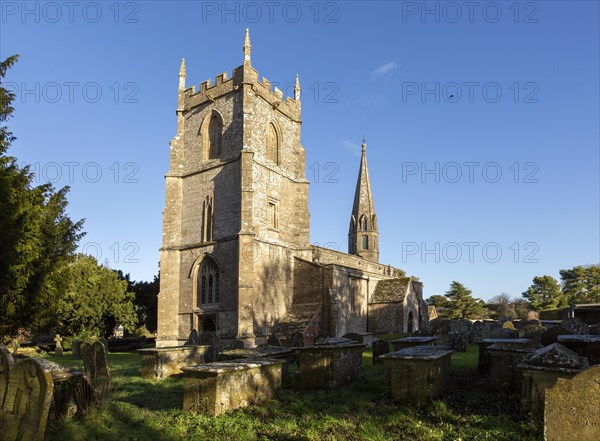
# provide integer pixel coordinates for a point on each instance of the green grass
(150, 410)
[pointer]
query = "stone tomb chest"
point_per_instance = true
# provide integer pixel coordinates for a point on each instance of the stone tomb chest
(419, 374)
(504, 375)
(333, 362)
(585, 345)
(159, 363)
(409, 342)
(484, 358)
(572, 408)
(541, 370)
(215, 388)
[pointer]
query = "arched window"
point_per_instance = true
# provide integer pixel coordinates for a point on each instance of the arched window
(272, 144)
(364, 223)
(207, 220)
(365, 242)
(215, 136)
(211, 132)
(208, 282)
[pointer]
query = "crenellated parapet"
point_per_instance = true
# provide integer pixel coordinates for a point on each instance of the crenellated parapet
(242, 76)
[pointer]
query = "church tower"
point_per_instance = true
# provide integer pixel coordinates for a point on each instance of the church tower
(363, 236)
(236, 212)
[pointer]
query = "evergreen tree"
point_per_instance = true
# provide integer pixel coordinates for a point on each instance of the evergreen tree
(581, 284)
(545, 293)
(462, 304)
(36, 234)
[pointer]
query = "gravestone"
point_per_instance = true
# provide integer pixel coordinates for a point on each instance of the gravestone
(210, 339)
(58, 350)
(6, 362)
(27, 402)
(274, 340)
(193, 339)
(75, 349)
(551, 335)
(97, 373)
(585, 345)
(533, 333)
(572, 408)
(380, 347)
(540, 371)
(298, 340)
(476, 332)
(329, 364)
(104, 342)
(575, 326)
(459, 341)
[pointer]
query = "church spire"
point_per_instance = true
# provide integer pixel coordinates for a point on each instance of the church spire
(297, 89)
(182, 75)
(247, 46)
(363, 236)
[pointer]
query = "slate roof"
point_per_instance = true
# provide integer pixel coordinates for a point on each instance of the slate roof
(297, 319)
(391, 290)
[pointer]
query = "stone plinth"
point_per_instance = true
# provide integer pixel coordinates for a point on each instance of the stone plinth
(504, 375)
(541, 370)
(159, 363)
(326, 366)
(572, 408)
(215, 388)
(409, 342)
(585, 345)
(484, 358)
(417, 375)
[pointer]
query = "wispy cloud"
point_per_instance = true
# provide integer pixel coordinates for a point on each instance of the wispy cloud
(384, 69)
(352, 147)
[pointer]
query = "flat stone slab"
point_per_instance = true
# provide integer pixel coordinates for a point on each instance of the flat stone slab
(215, 388)
(222, 367)
(491, 341)
(159, 363)
(585, 345)
(579, 338)
(415, 340)
(335, 341)
(270, 352)
(572, 408)
(419, 353)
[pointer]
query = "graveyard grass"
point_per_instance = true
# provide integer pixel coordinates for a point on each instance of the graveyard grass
(152, 410)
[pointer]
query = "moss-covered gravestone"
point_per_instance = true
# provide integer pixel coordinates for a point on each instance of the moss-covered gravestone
(24, 412)
(97, 373)
(572, 408)
(541, 370)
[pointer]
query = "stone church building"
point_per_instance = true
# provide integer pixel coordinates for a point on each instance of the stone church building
(236, 256)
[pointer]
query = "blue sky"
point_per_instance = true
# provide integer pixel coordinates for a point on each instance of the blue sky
(482, 124)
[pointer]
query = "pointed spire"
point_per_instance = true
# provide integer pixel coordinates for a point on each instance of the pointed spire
(247, 46)
(182, 75)
(363, 237)
(297, 89)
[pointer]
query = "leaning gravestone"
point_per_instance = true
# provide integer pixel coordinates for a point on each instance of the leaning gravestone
(380, 347)
(28, 396)
(572, 408)
(551, 335)
(97, 374)
(75, 349)
(6, 362)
